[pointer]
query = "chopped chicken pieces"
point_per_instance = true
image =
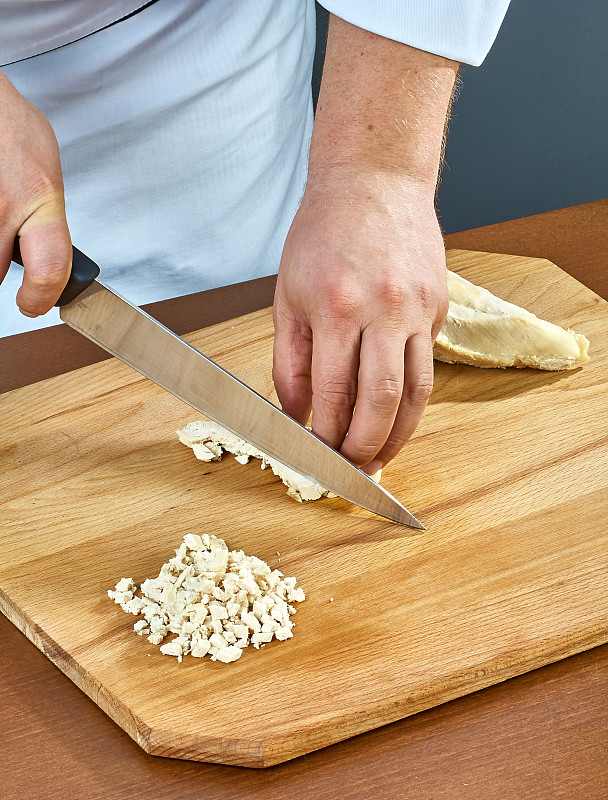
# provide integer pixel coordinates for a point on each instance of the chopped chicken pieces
(208, 441)
(217, 601)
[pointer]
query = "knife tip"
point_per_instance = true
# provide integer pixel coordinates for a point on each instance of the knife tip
(390, 508)
(405, 517)
(411, 521)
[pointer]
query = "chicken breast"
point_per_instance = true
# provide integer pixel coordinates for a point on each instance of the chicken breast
(485, 331)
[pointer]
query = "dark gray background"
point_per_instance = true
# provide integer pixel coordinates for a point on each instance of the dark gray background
(529, 128)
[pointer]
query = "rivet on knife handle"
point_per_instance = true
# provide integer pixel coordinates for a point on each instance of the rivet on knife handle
(84, 271)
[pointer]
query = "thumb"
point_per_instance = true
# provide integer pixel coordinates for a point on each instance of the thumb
(46, 250)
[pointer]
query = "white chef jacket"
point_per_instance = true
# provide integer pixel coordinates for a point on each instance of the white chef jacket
(184, 128)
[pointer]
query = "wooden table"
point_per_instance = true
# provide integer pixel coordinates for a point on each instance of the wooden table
(541, 735)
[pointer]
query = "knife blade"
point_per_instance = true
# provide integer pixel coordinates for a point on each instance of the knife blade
(139, 340)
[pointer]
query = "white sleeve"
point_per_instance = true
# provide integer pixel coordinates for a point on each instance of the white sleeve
(463, 30)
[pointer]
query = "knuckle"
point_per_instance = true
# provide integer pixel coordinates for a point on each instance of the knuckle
(393, 296)
(431, 300)
(385, 392)
(340, 303)
(427, 297)
(45, 186)
(49, 277)
(418, 393)
(336, 393)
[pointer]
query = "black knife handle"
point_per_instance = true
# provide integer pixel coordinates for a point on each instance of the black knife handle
(84, 271)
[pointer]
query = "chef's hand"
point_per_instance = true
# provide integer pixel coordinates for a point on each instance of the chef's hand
(362, 293)
(31, 202)
(361, 296)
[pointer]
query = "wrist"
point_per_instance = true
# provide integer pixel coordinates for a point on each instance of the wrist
(355, 184)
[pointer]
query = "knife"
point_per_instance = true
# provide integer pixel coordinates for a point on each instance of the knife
(100, 314)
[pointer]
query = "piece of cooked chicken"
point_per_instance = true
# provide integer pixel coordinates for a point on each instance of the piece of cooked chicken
(485, 331)
(208, 440)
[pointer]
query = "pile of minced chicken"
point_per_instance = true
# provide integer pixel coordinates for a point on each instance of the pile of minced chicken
(216, 601)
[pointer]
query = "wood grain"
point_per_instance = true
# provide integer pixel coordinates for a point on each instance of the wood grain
(511, 574)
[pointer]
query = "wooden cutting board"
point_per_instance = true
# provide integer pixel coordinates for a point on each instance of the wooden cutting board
(509, 471)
